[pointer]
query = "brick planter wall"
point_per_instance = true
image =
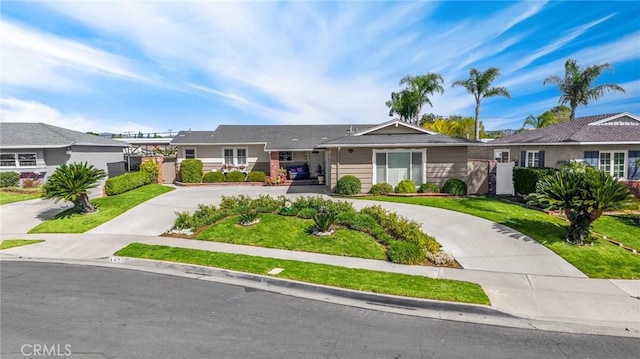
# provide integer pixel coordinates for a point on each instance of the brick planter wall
(274, 164)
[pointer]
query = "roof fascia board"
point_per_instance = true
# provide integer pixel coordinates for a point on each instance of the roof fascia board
(563, 143)
(394, 123)
(615, 117)
(400, 145)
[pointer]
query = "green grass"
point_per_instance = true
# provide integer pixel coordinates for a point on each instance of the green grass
(70, 221)
(620, 228)
(358, 279)
(600, 260)
(10, 197)
(275, 231)
(11, 243)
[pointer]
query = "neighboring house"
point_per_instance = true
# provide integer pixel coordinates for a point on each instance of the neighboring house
(608, 142)
(387, 152)
(35, 150)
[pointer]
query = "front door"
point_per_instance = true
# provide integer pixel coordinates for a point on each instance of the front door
(316, 160)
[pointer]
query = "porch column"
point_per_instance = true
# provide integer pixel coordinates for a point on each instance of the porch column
(274, 164)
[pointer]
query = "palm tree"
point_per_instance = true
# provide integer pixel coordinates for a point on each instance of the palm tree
(72, 183)
(583, 193)
(443, 126)
(408, 103)
(577, 86)
(479, 85)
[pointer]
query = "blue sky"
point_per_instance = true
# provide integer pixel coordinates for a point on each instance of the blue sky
(158, 65)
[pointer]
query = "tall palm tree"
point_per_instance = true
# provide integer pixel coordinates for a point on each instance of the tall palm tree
(479, 85)
(72, 183)
(417, 89)
(577, 88)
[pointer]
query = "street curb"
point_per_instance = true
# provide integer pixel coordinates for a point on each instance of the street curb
(267, 282)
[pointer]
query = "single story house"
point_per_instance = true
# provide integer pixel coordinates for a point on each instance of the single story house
(387, 152)
(609, 142)
(35, 150)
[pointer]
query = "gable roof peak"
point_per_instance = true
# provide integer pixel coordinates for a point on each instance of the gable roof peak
(396, 123)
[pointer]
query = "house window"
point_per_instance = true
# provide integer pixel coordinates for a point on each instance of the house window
(189, 153)
(8, 160)
(533, 159)
(502, 156)
(286, 156)
(393, 166)
(18, 160)
(612, 163)
(235, 156)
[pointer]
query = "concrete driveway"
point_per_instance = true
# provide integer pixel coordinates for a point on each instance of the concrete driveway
(20, 217)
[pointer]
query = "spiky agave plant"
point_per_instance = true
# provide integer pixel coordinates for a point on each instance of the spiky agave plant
(72, 183)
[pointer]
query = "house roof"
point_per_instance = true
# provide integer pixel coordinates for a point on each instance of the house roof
(40, 135)
(309, 137)
(613, 128)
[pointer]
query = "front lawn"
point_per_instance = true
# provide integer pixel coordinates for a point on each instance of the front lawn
(10, 196)
(275, 231)
(70, 221)
(11, 243)
(601, 260)
(357, 279)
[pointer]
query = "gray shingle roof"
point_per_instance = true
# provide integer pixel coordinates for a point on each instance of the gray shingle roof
(395, 140)
(577, 131)
(41, 135)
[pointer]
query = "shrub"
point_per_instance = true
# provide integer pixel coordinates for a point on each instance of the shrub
(191, 171)
(307, 213)
(233, 203)
(256, 176)
(441, 258)
(213, 177)
(525, 179)
(455, 187)
(126, 182)
(348, 185)
(406, 186)
(9, 179)
(248, 215)
(184, 220)
(405, 253)
(324, 220)
(381, 188)
(266, 204)
(151, 168)
(30, 183)
(72, 183)
(429, 187)
(235, 176)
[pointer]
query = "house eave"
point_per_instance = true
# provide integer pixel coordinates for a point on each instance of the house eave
(383, 145)
(592, 143)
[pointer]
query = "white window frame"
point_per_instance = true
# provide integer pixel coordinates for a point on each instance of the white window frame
(423, 175)
(532, 164)
(611, 169)
(195, 153)
(501, 151)
(235, 155)
(280, 156)
(16, 159)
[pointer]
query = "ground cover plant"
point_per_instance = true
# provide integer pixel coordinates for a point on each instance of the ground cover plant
(600, 259)
(72, 221)
(357, 279)
(12, 243)
(298, 225)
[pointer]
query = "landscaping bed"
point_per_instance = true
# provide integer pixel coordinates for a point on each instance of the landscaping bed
(357, 279)
(10, 195)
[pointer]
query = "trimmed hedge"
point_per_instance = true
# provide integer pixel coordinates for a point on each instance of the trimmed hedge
(406, 186)
(152, 168)
(126, 182)
(381, 188)
(235, 176)
(256, 176)
(213, 177)
(525, 179)
(9, 179)
(348, 185)
(429, 187)
(191, 171)
(455, 187)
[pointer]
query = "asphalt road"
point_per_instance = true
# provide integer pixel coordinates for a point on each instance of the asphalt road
(90, 312)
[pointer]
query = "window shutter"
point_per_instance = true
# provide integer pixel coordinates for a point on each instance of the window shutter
(541, 158)
(523, 158)
(591, 158)
(633, 172)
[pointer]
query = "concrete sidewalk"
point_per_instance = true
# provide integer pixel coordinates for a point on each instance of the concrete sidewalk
(593, 302)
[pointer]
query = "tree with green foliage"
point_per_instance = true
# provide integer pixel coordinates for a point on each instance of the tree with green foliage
(583, 193)
(456, 126)
(72, 183)
(479, 84)
(554, 116)
(409, 101)
(577, 88)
